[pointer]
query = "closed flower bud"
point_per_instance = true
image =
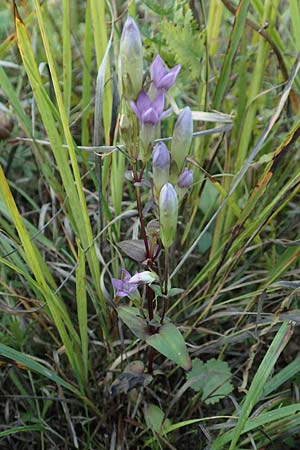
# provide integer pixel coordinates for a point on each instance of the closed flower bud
(131, 58)
(182, 138)
(160, 166)
(140, 278)
(185, 179)
(168, 214)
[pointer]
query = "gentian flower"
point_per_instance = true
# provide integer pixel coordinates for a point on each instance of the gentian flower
(162, 77)
(181, 142)
(149, 114)
(147, 111)
(185, 181)
(145, 277)
(168, 214)
(160, 166)
(122, 286)
(131, 58)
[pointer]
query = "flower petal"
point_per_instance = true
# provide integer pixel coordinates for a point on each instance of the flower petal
(122, 294)
(117, 284)
(150, 116)
(143, 102)
(166, 113)
(169, 79)
(135, 109)
(159, 103)
(157, 70)
(126, 275)
(145, 277)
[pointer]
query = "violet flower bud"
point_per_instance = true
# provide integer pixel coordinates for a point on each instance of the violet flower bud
(182, 138)
(131, 59)
(149, 114)
(168, 214)
(162, 77)
(160, 166)
(185, 180)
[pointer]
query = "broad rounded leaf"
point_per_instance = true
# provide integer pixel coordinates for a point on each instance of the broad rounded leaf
(154, 417)
(211, 378)
(170, 343)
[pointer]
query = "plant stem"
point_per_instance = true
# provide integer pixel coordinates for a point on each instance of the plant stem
(150, 298)
(141, 217)
(150, 359)
(149, 256)
(165, 288)
(165, 285)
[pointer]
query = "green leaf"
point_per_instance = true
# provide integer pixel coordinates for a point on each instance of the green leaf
(175, 291)
(164, 10)
(205, 242)
(23, 429)
(81, 301)
(211, 379)
(259, 381)
(154, 417)
(34, 366)
(184, 41)
(208, 198)
(170, 343)
(236, 34)
(131, 316)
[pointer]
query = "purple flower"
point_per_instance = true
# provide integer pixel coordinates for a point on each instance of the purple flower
(162, 77)
(185, 179)
(147, 111)
(122, 286)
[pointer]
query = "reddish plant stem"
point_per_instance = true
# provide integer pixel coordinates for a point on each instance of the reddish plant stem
(150, 359)
(150, 258)
(141, 217)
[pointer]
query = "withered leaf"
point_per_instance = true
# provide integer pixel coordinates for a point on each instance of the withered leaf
(134, 248)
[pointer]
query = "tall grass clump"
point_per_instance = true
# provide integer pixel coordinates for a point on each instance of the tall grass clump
(149, 226)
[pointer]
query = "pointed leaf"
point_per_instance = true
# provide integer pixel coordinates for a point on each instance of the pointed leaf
(175, 291)
(134, 248)
(131, 316)
(170, 343)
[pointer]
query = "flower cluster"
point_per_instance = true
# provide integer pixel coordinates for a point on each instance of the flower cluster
(147, 106)
(170, 178)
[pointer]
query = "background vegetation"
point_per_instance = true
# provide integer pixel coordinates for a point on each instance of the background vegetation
(67, 361)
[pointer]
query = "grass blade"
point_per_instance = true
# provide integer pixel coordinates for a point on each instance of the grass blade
(82, 308)
(278, 344)
(236, 34)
